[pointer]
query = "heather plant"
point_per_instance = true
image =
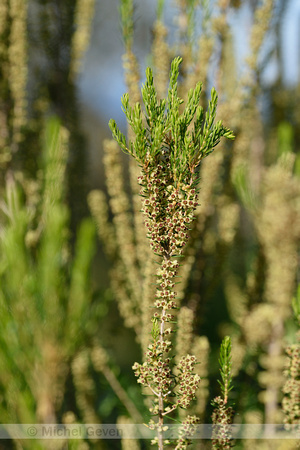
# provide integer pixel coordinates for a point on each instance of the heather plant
(291, 387)
(44, 291)
(222, 416)
(32, 32)
(232, 266)
(169, 153)
(240, 264)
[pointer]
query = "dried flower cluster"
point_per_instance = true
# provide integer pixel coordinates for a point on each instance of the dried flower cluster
(187, 431)
(169, 209)
(222, 418)
(155, 372)
(291, 388)
(187, 381)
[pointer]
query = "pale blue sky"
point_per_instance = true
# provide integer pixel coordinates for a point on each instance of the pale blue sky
(101, 83)
(291, 43)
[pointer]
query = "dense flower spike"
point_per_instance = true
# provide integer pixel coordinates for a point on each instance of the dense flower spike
(291, 388)
(188, 381)
(222, 418)
(169, 154)
(187, 431)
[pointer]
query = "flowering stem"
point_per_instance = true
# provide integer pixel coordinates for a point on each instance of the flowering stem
(169, 153)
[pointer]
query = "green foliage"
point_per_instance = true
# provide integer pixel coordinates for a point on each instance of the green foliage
(126, 13)
(296, 304)
(44, 292)
(285, 138)
(243, 189)
(225, 367)
(155, 329)
(160, 8)
(222, 415)
(166, 127)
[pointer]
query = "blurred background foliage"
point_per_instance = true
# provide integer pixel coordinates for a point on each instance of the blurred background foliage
(74, 309)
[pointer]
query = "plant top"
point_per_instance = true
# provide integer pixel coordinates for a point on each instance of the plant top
(165, 136)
